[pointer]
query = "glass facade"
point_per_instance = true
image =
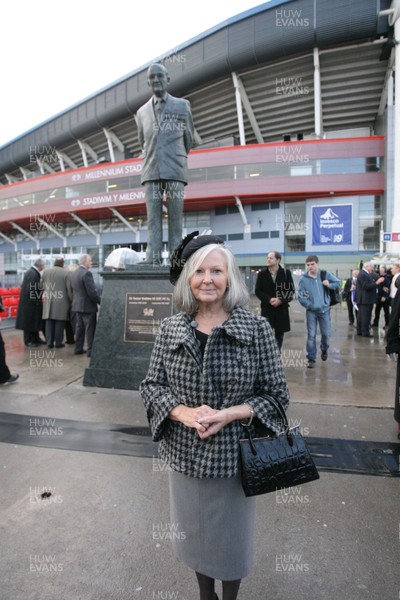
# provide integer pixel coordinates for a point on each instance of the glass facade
(132, 189)
(371, 213)
(294, 225)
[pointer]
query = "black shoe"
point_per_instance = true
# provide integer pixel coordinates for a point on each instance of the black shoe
(11, 379)
(60, 345)
(311, 364)
(324, 355)
(39, 341)
(32, 345)
(80, 352)
(50, 345)
(367, 335)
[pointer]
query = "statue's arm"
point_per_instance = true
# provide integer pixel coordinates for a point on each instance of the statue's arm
(189, 130)
(140, 130)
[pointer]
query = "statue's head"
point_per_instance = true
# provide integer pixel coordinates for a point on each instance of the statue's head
(158, 79)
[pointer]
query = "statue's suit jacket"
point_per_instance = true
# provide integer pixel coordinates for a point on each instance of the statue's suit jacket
(166, 143)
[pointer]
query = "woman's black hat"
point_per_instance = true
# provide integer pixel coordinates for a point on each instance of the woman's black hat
(186, 248)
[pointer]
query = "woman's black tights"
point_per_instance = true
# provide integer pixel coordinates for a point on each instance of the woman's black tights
(230, 589)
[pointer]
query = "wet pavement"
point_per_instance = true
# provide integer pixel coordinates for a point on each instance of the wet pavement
(85, 519)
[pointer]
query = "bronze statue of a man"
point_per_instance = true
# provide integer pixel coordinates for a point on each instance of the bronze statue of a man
(165, 130)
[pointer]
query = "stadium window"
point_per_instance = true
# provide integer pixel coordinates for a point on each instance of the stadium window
(274, 204)
(221, 210)
(196, 219)
(260, 206)
(295, 243)
(235, 236)
(256, 235)
(370, 216)
(274, 234)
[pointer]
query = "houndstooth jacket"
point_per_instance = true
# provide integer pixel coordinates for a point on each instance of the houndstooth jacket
(241, 360)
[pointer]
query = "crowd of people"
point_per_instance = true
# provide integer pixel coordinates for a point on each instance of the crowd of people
(367, 294)
(58, 305)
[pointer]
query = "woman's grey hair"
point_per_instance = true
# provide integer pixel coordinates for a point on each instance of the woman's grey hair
(236, 293)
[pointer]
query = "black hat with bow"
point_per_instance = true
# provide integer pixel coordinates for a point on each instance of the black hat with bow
(186, 248)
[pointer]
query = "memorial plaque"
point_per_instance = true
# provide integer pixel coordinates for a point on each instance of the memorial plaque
(143, 315)
(133, 303)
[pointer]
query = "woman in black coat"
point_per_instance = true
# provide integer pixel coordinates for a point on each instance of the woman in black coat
(393, 348)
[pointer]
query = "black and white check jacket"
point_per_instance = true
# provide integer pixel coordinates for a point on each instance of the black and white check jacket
(241, 360)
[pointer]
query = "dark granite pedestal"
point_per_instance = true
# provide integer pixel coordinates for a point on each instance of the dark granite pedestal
(133, 304)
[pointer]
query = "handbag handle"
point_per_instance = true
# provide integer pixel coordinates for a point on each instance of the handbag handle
(280, 410)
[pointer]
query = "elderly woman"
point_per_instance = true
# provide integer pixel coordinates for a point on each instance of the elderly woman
(393, 344)
(211, 364)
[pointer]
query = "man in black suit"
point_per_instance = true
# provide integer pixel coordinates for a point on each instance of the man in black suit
(382, 299)
(165, 131)
(275, 289)
(348, 294)
(85, 299)
(365, 298)
(30, 307)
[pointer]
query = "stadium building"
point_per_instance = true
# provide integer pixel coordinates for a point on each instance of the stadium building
(296, 147)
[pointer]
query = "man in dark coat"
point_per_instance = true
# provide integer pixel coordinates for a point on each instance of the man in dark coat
(85, 299)
(365, 298)
(275, 289)
(29, 315)
(382, 298)
(348, 294)
(165, 132)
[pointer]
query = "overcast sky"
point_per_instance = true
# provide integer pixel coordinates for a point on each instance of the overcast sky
(55, 54)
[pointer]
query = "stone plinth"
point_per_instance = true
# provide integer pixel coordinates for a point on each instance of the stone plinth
(132, 305)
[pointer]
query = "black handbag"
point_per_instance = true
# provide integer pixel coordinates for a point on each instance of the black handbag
(277, 461)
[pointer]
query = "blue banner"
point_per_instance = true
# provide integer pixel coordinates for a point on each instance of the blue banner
(332, 225)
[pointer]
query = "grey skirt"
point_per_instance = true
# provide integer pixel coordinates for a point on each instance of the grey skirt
(214, 522)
